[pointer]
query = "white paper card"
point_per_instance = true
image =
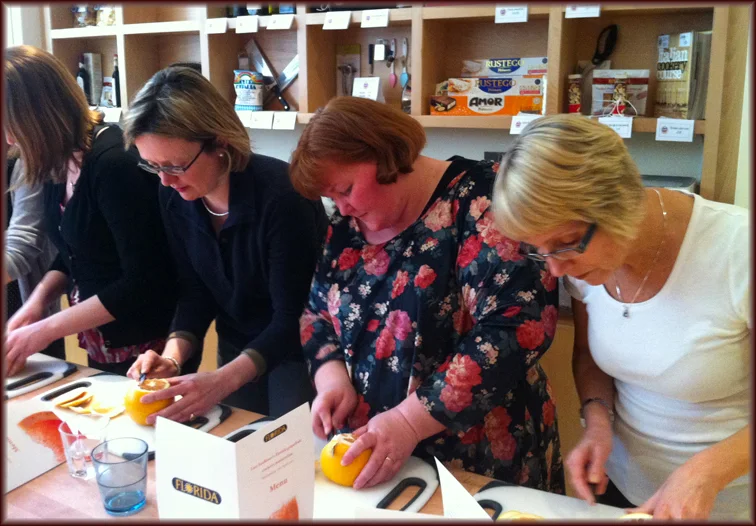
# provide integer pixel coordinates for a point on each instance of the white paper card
(686, 39)
(337, 20)
(622, 125)
(582, 11)
(261, 120)
(520, 121)
(112, 114)
(366, 87)
(215, 26)
(245, 116)
(284, 120)
(259, 477)
(379, 52)
(281, 22)
(506, 14)
(375, 18)
(247, 24)
(458, 503)
(675, 130)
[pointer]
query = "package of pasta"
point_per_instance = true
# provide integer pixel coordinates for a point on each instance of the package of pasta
(249, 88)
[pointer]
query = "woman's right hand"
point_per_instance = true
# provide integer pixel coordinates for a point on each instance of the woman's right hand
(30, 312)
(335, 402)
(153, 364)
(585, 464)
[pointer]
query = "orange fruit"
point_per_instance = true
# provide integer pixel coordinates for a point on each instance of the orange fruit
(330, 460)
(133, 405)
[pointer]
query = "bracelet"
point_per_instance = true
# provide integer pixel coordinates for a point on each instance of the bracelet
(175, 362)
(599, 401)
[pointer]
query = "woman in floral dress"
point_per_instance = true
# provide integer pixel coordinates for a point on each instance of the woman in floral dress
(424, 324)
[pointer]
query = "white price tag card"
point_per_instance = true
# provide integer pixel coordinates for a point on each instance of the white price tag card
(281, 22)
(247, 24)
(337, 20)
(215, 26)
(366, 87)
(245, 116)
(520, 121)
(582, 11)
(261, 120)
(507, 14)
(112, 114)
(622, 125)
(375, 18)
(284, 120)
(675, 130)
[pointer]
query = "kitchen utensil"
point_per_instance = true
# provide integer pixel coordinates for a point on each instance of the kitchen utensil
(339, 502)
(347, 70)
(501, 496)
(404, 77)
(142, 378)
(40, 370)
(121, 471)
(261, 64)
(113, 387)
(287, 76)
(392, 64)
(371, 52)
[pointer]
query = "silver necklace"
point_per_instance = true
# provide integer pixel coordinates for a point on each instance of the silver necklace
(626, 311)
(216, 214)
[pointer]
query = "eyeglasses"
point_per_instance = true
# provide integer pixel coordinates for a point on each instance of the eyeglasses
(170, 170)
(565, 253)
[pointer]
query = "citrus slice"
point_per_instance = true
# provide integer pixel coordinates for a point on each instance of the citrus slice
(82, 400)
(330, 460)
(83, 409)
(514, 515)
(69, 396)
(106, 409)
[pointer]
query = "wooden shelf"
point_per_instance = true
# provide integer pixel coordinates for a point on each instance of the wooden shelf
(654, 9)
(84, 32)
(476, 12)
(263, 22)
(396, 16)
(160, 28)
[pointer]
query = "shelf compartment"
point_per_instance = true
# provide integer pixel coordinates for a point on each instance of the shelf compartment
(479, 13)
(138, 13)
(162, 28)
(68, 51)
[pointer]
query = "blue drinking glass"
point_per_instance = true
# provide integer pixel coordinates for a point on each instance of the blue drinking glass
(121, 470)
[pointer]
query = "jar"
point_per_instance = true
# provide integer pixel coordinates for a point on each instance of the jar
(574, 93)
(105, 15)
(83, 16)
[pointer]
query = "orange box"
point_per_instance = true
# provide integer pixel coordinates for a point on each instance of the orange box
(492, 96)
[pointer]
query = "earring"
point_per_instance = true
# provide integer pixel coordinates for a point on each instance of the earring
(221, 155)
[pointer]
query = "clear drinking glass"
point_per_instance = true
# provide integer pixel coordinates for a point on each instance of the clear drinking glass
(78, 446)
(121, 470)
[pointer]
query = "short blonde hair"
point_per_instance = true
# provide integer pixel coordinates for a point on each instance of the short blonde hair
(178, 102)
(565, 168)
(355, 130)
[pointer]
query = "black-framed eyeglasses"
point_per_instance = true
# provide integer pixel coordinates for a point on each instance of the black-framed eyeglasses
(171, 170)
(565, 253)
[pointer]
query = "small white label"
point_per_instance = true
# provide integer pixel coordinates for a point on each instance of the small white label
(247, 24)
(215, 26)
(281, 22)
(366, 87)
(112, 114)
(379, 52)
(622, 125)
(261, 120)
(675, 130)
(375, 18)
(284, 120)
(664, 41)
(520, 121)
(245, 116)
(686, 39)
(337, 20)
(582, 11)
(507, 14)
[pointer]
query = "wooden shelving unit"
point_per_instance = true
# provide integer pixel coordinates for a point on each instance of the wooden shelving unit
(148, 38)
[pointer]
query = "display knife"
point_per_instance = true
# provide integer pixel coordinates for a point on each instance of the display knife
(261, 64)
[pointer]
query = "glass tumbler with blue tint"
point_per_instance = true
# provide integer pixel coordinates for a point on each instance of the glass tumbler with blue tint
(121, 470)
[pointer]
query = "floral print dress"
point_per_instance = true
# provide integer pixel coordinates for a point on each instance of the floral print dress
(450, 310)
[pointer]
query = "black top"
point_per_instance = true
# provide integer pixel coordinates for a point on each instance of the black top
(254, 277)
(111, 242)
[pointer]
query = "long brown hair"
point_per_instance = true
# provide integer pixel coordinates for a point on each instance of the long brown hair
(47, 113)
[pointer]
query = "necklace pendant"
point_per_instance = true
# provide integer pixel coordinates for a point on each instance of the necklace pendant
(626, 313)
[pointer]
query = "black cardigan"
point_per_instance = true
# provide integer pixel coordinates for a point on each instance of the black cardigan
(112, 244)
(254, 278)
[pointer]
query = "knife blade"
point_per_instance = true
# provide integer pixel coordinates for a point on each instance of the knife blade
(290, 72)
(261, 64)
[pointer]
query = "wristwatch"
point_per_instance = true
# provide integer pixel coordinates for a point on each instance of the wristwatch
(600, 401)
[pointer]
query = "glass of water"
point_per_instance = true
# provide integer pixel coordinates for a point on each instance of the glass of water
(121, 470)
(78, 445)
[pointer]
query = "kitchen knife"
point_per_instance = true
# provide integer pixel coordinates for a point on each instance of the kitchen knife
(260, 63)
(289, 73)
(371, 51)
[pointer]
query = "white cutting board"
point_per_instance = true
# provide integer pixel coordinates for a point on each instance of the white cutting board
(333, 501)
(547, 505)
(40, 370)
(114, 387)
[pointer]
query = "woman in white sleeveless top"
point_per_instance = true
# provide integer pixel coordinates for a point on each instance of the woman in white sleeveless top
(660, 282)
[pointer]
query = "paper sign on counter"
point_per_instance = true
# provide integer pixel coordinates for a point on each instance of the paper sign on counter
(506, 14)
(284, 120)
(247, 24)
(675, 130)
(112, 114)
(366, 87)
(215, 26)
(281, 22)
(520, 121)
(458, 503)
(582, 11)
(375, 18)
(337, 20)
(261, 120)
(266, 475)
(622, 125)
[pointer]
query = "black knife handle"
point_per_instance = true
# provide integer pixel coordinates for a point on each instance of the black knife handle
(279, 96)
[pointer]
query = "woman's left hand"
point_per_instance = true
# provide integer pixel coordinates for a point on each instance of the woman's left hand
(688, 493)
(199, 393)
(392, 440)
(22, 343)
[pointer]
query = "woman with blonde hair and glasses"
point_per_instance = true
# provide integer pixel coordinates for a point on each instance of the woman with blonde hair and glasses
(101, 213)
(662, 308)
(424, 327)
(245, 243)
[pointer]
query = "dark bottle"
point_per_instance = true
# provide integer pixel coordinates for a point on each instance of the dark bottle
(116, 82)
(82, 79)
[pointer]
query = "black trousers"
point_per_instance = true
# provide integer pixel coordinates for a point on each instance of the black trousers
(274, 394)
(613, 497)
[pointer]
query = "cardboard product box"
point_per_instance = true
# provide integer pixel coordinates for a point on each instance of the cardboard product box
(604, 81)
(504, 67)
(491, 96)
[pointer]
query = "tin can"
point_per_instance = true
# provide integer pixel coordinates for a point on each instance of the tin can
(250, 90)
(574, 93)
